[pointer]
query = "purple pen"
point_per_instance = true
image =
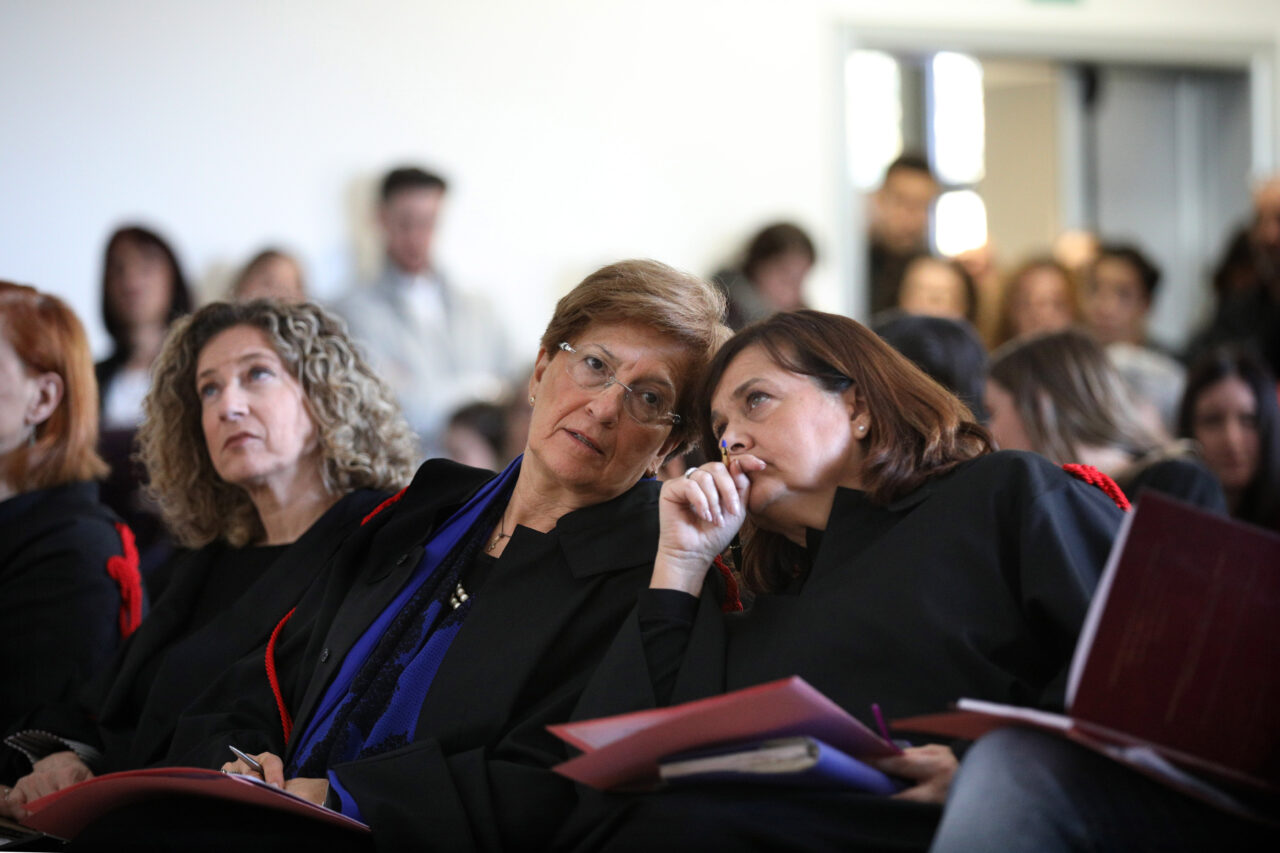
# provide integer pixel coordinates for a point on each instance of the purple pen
(884, 730)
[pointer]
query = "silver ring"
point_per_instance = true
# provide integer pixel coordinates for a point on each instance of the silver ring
(688, 474)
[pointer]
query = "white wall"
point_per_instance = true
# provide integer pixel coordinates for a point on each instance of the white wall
(575, 131)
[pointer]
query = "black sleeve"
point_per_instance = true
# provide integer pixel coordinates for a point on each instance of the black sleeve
(666, 617)
(1064, 537)
(60, 610)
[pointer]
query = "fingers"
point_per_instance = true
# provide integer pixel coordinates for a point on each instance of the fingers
(272, 768)
(931, 766)
(711, 491)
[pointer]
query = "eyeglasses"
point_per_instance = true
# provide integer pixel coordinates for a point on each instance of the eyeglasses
(647, 404)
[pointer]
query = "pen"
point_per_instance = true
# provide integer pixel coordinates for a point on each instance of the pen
(735, 544)
(884, 730)
(247, 759)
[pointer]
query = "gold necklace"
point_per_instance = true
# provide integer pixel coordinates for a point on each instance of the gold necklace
(500, 535)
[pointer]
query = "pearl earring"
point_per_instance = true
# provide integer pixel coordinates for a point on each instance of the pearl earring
(530, 399)
(862, 428)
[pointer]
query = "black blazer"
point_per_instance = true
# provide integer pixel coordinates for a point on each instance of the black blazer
(975, 585)
(129, 713)
(477, 775)
(59, 607)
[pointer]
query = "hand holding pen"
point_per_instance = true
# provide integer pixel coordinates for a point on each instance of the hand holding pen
(699, 514)
(266, 766)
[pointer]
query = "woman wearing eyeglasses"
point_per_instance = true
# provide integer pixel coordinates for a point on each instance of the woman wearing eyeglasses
(413, 692)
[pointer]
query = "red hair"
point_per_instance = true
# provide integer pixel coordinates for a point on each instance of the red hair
(48, 338)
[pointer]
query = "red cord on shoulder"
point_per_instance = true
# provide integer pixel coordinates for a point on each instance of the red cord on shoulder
(123, 569)
(286, 721)
(1094, 477)
(732, 600)
(380, 507)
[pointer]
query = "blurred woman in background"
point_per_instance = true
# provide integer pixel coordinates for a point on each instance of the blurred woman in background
(1230, 409)
(1040, 297)
(1059, 395)
(271, 274)
(770, 276)
(143, 291)
(69, 586)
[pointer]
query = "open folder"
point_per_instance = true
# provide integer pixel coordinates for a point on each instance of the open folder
(1177, 669)
(625, 750)
(65, 813)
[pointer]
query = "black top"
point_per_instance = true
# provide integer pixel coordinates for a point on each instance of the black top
(59, 607)
(476, 774)
(974, 585)
(221, 604)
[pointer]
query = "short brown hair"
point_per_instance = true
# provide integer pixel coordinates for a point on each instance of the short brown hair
(676, 304)
(919, 430)
(48, 338)
(364, 439)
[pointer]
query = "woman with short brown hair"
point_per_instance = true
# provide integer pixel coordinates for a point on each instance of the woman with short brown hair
(896, 559)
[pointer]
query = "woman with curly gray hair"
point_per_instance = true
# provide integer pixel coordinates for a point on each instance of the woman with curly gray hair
(267, 440)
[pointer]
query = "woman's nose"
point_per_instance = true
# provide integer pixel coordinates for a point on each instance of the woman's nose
(232, 403)
(605, 406)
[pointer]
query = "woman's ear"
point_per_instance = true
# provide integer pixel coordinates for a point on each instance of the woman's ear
(858, 414)
(48, 394)
(539, 368)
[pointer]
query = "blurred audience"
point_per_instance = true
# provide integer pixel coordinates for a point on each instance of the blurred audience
(1119, 289)
(948, 350)
(1230, 409)
(770, 276)
(1246, 285)
(937, 287)
(1058, 395)
(898, 225)
(271, 274)
(1040, 297)
(69, 585)
(476, 435)
(438, 347)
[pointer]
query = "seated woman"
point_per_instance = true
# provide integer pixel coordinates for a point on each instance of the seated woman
(1040, 297)
(267, 440)
(143, 292)
(771, 275)
(896, 560)
(1058, 394)
(1230, 409)
(69, 586)
(413, 691)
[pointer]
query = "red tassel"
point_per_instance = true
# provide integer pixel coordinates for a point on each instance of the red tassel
(380, 507)
(1094, 477)
(286, 721)
(123, 569)
(732, 600)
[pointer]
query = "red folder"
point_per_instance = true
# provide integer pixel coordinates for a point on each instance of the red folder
(64, 813)
(625, 749)
(1179, 658)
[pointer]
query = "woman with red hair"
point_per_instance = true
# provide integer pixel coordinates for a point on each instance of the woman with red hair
(69, 587)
